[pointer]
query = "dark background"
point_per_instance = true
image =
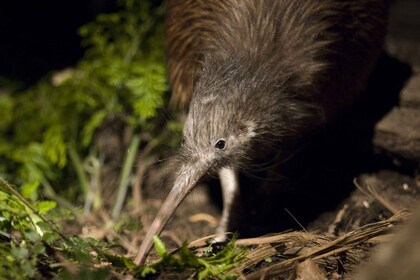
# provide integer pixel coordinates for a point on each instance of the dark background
(41, 35)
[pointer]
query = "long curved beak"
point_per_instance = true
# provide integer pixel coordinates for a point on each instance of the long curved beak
(187, 179)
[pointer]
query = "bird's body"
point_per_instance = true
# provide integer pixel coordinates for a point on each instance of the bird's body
(259, 73)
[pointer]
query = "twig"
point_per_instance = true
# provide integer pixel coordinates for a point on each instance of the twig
(142, 166)
(387, 204)
(371, 192)
(296, 220)
(341, 244)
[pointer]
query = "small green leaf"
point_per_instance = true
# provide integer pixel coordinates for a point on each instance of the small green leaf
(28, 269)
(54, 145)
(45, 206)
(32, 236)
(49, 237)
(94, 122)
(147, 270)
(159, 246)
(19, 252)
(29, 190)
(38, 249)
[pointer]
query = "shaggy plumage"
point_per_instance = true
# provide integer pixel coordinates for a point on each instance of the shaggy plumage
(257, 73)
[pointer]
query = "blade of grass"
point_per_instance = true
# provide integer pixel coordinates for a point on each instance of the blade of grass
(78, 167)
(125, 175)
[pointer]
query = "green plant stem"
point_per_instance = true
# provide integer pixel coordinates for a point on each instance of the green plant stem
(78, 167)
(94, 198)
(125, 175)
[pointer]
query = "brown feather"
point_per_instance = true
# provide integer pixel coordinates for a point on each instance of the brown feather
(318, 40)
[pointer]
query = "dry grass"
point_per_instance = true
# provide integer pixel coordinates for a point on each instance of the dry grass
(287, 255)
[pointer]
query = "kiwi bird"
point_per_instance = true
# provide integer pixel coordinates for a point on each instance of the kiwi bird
(256, 74)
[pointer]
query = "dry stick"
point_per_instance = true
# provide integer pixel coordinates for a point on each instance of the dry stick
(143, 163)
(295, 219)
(359, 187)
(373, 193)
(387, 204)
(145, 158)
(344, 243)
(282, 237)
(137, 187)
(265, 248)
(256, 256)
(138, 201)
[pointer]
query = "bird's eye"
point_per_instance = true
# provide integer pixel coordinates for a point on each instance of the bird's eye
(220, 144)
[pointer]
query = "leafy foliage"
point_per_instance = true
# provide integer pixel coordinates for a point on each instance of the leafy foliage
(22, 253)
(49, 142)
(212, 266)
(121, 77)
(49, 139)
(36, 248)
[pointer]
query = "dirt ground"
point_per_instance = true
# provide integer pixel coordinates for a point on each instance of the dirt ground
(341, 181)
